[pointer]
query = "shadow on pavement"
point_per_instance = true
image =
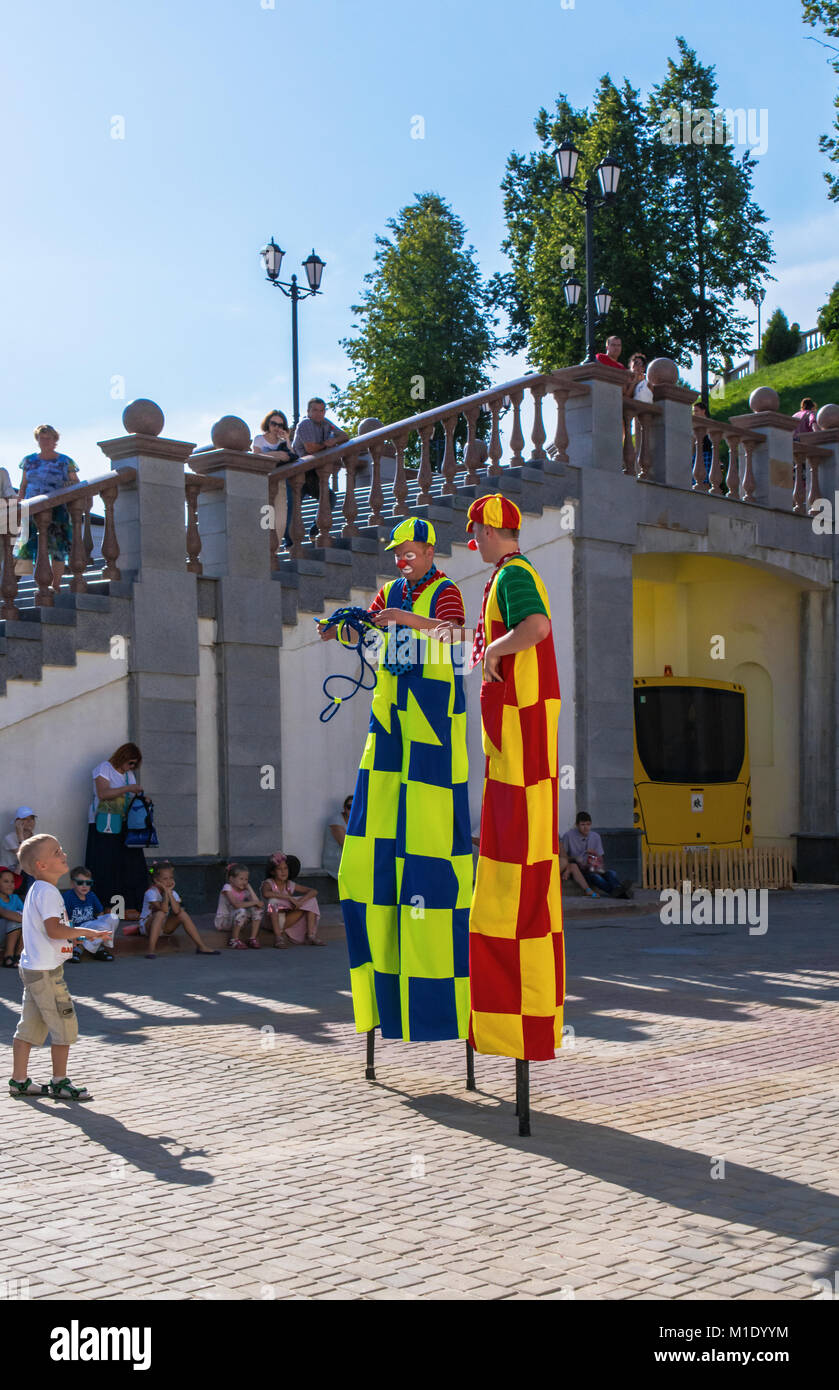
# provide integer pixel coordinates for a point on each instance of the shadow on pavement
(145, 1152)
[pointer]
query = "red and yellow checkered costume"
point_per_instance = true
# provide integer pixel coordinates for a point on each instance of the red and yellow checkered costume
(516, 956)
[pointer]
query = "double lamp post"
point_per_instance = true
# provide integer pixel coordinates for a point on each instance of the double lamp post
(608, 175)
(272, 258)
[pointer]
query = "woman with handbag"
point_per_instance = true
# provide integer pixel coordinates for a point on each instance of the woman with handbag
(118, 869)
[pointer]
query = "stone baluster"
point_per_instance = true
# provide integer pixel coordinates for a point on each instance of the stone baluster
(747, 477)
(472, 450)
(425, 474)
(629, 448)
(814, 493)
(110, 544)
(193, 535)
(700, 483)
(516, 436)
(377, 496)
(8, 589)
(449, 455)
(87, 538)
(645, 461)
(350, 504)
(45, 597)
(400, 481)
(324, 516)
(496, 452)
(538, 434)
(799, 462)
(715, 475)
(560, 395)
(297, 530)
(732, 477)
(78, 559)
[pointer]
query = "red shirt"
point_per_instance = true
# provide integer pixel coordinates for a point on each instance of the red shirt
(449, 603)
(606, 361)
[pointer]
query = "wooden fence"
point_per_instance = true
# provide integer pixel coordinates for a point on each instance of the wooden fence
(767, 867)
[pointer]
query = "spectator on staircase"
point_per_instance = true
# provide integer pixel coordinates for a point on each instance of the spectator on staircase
(638, 373)
(313, 435)
(611, 358)
(276, 439)
(806, 417)
(42, 473)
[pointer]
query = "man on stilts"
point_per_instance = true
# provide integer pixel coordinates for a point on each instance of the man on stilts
(405, 879)
(517, 972)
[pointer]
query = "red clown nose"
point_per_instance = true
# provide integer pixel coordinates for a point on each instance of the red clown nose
(404, 564)
(472, 545)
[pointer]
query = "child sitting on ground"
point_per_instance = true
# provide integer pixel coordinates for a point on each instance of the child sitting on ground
(47, 1006)
(238, 907)
(298, 903)
(11, 910)
(163, 911)
(82, 907)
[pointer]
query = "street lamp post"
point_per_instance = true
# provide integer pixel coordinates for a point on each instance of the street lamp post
(608, 174)
(272, 258)
(757, 299)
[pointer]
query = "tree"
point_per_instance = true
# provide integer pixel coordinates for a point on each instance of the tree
(828, 320)
(779, 340)
(680, 245)
(703, 198)
(545, 236)
(426, 334)
(826, 13)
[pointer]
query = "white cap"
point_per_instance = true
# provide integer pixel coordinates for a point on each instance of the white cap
(23, 811)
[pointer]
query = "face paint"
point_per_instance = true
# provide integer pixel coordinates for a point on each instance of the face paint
(406, 561)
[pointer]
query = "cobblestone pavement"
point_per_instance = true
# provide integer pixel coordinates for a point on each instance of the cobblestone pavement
(683, 1148)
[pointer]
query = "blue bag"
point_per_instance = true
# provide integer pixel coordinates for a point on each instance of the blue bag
(139, 824)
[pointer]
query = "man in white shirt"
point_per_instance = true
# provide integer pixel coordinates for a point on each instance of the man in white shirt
(47, 1006)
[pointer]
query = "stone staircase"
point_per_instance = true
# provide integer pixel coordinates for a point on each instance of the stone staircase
(321, 578)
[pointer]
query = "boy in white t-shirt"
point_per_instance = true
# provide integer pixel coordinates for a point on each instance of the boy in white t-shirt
(47, 1006)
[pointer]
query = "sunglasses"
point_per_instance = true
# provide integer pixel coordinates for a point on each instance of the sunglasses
(83, 882)
(280, 424)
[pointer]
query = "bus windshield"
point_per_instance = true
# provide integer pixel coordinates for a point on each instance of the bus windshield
(690, 733)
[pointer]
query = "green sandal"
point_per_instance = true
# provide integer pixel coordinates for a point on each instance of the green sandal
(65, 1090)
(18, 1089)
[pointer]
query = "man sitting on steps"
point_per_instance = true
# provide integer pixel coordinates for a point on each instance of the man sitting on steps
(585, 847)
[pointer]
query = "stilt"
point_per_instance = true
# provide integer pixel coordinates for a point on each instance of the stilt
(370, 1073)
(523, 1096)
(470, 1068)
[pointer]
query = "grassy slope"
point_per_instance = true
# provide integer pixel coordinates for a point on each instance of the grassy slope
(813, 374)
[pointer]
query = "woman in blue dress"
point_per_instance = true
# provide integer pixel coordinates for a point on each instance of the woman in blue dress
(45, 472)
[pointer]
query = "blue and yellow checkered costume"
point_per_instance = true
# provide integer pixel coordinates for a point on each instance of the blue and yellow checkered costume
(406, 870)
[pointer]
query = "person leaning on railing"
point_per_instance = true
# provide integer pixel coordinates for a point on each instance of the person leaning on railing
(806, 417)
(42, 473)
(313, 435)
(276, 439)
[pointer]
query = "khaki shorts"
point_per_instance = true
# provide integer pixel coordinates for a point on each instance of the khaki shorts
(47, 1009)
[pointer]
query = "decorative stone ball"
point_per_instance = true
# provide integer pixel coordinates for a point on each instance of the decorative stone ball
(371, 423)
(764, 398)
(662, 372)
(143, 417)
(231, 432)
(828, 417)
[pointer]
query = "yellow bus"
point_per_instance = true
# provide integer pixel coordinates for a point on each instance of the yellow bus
(692, 780)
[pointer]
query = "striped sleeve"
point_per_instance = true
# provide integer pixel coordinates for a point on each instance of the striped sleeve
(518, 595)
(378, 604)
(448, 605)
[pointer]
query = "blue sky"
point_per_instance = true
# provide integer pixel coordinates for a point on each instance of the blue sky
(138, 258)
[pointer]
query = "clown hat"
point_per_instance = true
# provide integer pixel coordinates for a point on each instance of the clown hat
(496, 511)
(412, 529)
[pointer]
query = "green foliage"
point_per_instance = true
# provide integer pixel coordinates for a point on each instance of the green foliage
(779, 341)
(682, 242)
(826, 13)
(828, 320)
(426, 324)
(813, 374)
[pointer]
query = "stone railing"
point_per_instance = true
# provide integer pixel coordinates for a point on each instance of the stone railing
(375, 443)
(194, 485)
(79, 501)
(739, 483)
(637, 454)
